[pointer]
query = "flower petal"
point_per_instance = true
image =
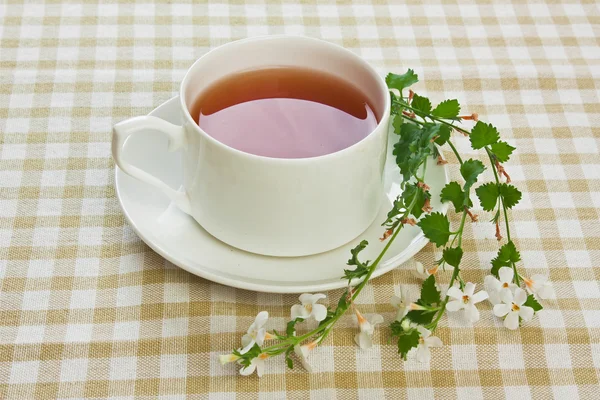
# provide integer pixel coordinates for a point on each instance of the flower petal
(506, 274)
(260, 367)
(299, 311)
(301, 353)
(479, 296)
(506, 296)
(495, 298)
(401, 313)
(433, 341)
(520, 296)
(512, 320)
(260, 336)
(472, 313)
(491, 283)
(319, 311)
(425, 333)
(526, 313)
(454, 305)
(261, 319)
(500, 310)
(419, 271)
(247, 343)
(469, 289)
(397, 301)
(455, 293)
(308, 298)
(363, 340)
(375, 319)
(423, 353)
(249, 369)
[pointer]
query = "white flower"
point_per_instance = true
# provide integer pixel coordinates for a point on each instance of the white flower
(364, 339)
(310, 307)
(401, 307)
(496, 288)
(512, 307)
(257, 363)
(425, 342)
(227, 358)
(256, 333)
(302, 353)
(466, 300)
(421, 272)
(540, 286)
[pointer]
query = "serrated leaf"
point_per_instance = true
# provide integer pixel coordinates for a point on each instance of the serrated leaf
(453, 193)
(443, 135)
(429, 292)
(507, 255)
(447, 109)
(397, 124)
(453, 255)
(533, 303)
(488, 195)
(510, 195)
(414, 193)
(291, 327)
(502, 150)
(483, 135)
(436, 228)
(421, 105)
(395, 81)
(420, 317)
(408, 341)
(470, 170)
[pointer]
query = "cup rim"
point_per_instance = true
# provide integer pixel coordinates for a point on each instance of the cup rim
(382, 86)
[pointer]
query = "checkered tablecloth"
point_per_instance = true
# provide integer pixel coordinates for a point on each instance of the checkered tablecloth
(88, 310)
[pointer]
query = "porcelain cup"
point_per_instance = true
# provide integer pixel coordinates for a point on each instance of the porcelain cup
(272, 206)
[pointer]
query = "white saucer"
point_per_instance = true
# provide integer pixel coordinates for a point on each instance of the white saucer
(181, 240)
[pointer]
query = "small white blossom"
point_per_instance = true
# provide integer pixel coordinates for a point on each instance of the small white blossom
(512, 308)
(466, 300)
(496, 287)
(256, 332)
(302, 353)
(425, 342)
(257, 364)
(423, 273)
(309, 307)
(540, 286)
(401, 307)
(364, 339)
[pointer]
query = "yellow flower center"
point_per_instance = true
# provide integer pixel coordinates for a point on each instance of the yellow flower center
(505, 285)
(465, 299)
(515, 307)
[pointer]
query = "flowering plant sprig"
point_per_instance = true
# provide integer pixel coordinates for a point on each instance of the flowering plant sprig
(422, 129)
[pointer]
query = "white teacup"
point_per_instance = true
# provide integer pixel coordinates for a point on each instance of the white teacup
(272, 206)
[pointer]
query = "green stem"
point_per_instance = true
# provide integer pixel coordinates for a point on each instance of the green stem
(455, 152)
(455, 275)
(504, 210)
(434, 118)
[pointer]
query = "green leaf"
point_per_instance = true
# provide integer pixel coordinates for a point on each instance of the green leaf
(453, 192)
(395, 81)
(447, 109)
(507, 255)
(429, 292)
(510, 195)
(533, 303)
(342, 304)
(362, 269)
(436, 228)
(290, 329)
(502, 150)
(443, 135)
(421, 105)
(470, 170)
(488, 195)
(413, 147)
(413, 192)
(482, 135)
(408, 341)
(420, 317)
(453, 255)
(289, 362)
(397, 124)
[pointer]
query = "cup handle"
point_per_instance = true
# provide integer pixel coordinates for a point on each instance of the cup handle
(176, 135)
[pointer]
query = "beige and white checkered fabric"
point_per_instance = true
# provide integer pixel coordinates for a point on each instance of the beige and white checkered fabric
(88, 310)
